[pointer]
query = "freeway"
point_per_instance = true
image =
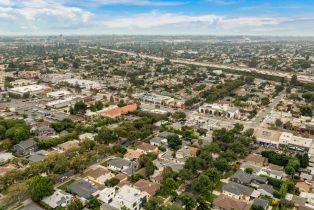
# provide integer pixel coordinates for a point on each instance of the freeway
(301, 77)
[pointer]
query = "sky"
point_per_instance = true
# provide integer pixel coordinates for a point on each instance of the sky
(160, 17)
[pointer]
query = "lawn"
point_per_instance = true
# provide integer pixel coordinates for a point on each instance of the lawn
(64, 187)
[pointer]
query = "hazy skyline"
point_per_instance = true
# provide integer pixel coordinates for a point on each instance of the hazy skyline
(212, 17)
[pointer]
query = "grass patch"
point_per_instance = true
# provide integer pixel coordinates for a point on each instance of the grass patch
(64, 187)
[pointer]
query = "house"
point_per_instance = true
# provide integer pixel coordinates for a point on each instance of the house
(165, 134)
(25, 147)
(303, 187)
(260, 203)
(255, 159)
(242, 177)
(309, 197)
(185, 152)
(129, 197)
(147, 187)
(277, 174)
(267, 137)
(306, 177)
(158, 141)
(32, 206)
(106, 195)
(106, 206)
(224, 202)
(82, 188)
(256, 169)
(99, 174)
(239, 191)
(33, 158)
(122, 165)
(5, 156)
(266, 190)
(147, 148)
(67, 145)
(132, 154)
(42, 129)
(57, 199)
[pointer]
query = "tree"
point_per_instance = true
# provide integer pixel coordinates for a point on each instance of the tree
(249, 170)
(168, 187)
(17, 134)
(249, 132)
(265, 101)
(306, 111)
(179, 115)
(254, 207)
(278, 123)
(202, 204)
(187, 200)
(202, 131)
(93, 203)
(2, 131)
(174, 142)
(75, 204)
(149, 168)
(6, 144)
(122, 103)
(40, 186)
(290, 170)
(112, 182)
(135, 177)
(153, 203)
(16, 193)
(202, 184)
(172, 207)
(87, 144)
(294, 80)
(304, 160)
(106, 136)
(79, 108)
(238, 128)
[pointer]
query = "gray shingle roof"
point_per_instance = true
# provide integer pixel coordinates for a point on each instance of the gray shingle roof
(237, 189)
(267, 188)
(26, 144)
(165, 134)
(82, 188)
(119, 162)
(242, 176)
(260, 202)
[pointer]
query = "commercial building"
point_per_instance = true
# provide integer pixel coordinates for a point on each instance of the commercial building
(267, 137)
(220, 110)
(59, 94)
(61, 103)
(30, 89)
(85, 84)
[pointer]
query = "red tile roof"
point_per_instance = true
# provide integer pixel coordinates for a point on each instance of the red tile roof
(228, 203)
(147, 186)
(116, 112)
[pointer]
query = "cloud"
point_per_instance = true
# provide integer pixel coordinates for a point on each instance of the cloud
(41, 14)
(155, 19)
(225, 2)
(140, 2)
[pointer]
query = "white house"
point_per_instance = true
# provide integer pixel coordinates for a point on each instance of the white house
(106, 195)
(57, 199)
(129, 197)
